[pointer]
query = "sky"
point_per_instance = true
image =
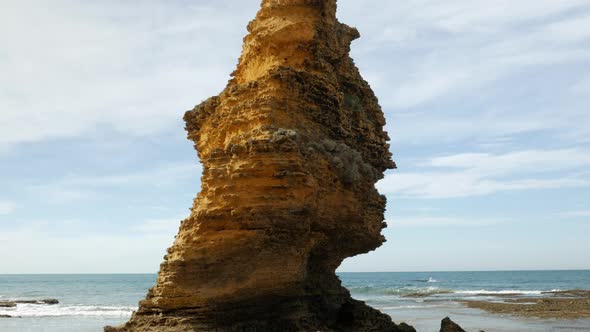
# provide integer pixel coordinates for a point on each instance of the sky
(486, 103)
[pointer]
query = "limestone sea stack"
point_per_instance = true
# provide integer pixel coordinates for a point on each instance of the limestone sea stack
(291, 151)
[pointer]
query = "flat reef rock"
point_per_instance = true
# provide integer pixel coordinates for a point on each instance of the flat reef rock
(291, 151)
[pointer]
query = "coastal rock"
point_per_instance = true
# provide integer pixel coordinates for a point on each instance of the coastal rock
(7, 304)
(291, 151)
(403, 327)
(447, 325)
(50, 301)
(570, 304)
(44, 301)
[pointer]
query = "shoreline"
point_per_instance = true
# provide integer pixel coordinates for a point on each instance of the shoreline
(89, 302)
(566, 305)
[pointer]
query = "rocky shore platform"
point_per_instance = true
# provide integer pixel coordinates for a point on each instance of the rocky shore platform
(571, 304)
(13, 303)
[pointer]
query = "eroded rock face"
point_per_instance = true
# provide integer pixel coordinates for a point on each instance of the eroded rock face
(291, 150)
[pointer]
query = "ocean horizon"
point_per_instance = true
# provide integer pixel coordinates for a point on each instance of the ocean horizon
(87, 302)
(337, 272)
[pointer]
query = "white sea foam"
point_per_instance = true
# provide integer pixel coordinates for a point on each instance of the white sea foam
(35, 310)
(503, 292)
(401, 291)
(410, 307)
(431, 279)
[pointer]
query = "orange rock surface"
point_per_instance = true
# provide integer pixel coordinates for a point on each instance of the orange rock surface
(291, 150)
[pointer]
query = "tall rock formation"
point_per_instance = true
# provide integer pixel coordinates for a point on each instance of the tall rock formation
(291, 151)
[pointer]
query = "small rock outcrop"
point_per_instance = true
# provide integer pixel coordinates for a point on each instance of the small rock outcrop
(44, 301)
(13, 303)
(291, 152)
(50, 301)
(7, 304)
(447, 325)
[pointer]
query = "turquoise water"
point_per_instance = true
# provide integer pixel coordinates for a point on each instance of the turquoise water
(440, 292)
(88, 302)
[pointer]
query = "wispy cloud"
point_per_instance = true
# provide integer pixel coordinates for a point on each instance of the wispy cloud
(159, 226)
(571, 30)
(111, 65)
(72, 187)
(527, 161)
(476, 174)
(35, 248)
(582, 87)
(449, 65)
(160, 175)
(7, 207)
(440, 221)
(577, 214)
(480, 97)
(133, 69)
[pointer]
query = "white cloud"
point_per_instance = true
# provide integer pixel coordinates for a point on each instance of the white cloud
(163, 174)
(528, 161)
(443, 70)
(582, 87)
(136, 69)
(80, 187)
(456, 15)
(82, 66)
(464, 15)
(458, 184)
(159, 226)
(7, 207)
(432, 221)
(577, 214)
(476, 174)
(34, 249)
(470, 65)
(571, 31)
(425, 87)
(475, 70)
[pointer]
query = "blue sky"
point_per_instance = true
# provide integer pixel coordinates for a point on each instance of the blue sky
(486, 104)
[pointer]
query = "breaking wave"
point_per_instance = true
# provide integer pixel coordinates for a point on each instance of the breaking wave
(35, 310)
(409, 307)
(402, 291)
(432, 291)
(504, 292)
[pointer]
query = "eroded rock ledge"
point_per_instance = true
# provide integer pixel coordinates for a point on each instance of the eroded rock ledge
(291, 150)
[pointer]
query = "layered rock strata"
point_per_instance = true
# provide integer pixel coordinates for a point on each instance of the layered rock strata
(291, 150)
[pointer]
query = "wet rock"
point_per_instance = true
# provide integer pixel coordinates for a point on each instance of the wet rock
(50, 301)
(7, 304)
(447, 325)
(44, 301)
(403, 327)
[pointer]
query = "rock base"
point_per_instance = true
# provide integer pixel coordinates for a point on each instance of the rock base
(352, 316)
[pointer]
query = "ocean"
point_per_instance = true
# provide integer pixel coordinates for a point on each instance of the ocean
(89, 302)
